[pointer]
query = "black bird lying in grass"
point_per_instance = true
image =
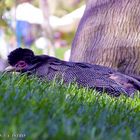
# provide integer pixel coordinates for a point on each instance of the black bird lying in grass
(101, 78)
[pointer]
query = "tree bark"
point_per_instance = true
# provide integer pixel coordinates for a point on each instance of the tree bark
(109, 34)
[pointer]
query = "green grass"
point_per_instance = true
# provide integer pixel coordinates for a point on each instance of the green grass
(42, 110)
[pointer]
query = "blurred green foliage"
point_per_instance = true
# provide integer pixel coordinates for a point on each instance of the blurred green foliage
(4, 5)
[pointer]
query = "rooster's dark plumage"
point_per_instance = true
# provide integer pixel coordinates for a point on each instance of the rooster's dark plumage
(93, 76)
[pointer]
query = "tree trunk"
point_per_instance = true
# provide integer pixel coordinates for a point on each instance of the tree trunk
(109, 34)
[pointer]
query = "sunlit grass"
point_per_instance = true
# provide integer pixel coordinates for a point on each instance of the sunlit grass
(46, 110)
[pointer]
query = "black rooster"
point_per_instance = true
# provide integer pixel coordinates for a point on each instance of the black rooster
(93, 76)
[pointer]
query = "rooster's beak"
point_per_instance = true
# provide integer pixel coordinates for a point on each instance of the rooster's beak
(10, 69)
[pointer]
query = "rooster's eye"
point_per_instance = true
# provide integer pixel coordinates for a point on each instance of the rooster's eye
(21, 64)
